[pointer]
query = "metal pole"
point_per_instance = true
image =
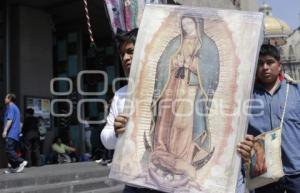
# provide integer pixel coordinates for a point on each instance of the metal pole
(7, 48)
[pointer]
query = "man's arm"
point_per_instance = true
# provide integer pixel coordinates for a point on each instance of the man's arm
(25, 126)
(6, 128)
(108, 135)
(68, 148)
(9, 119)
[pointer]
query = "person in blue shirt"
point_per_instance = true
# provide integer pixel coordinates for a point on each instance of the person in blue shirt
(271, 88)
(11, 133)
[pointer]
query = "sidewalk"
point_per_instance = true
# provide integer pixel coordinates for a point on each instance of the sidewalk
(84, 177)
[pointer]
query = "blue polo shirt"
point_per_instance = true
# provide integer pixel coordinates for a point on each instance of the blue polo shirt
(12, 113)
(268, 116)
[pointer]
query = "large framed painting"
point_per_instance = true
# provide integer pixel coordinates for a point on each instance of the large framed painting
(189, 90)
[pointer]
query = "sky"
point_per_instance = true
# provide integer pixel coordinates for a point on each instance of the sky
(286, 10)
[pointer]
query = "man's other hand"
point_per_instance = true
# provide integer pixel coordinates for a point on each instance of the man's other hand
(120, 123)
(4, 134)
(245, 147)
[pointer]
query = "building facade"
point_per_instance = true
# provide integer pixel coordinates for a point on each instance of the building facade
(42, 40)
(2, 72)
(290, 55)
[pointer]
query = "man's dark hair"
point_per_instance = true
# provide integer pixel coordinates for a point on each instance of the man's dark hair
(12, 97)
(30, 111)
(126, 37)
(55, 140)
(270, 50)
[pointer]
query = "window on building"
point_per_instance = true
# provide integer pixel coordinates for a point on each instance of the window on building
(282, 54)
(66, 65)
(297, 50)
(292, 56)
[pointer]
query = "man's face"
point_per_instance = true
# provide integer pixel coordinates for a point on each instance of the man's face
(7, 100)
(126, 56)
(268, 69)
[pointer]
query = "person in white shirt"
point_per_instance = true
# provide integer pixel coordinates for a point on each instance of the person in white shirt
(116, 120)
(115, 116)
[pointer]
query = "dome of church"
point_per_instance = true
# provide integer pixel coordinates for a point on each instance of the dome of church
(274, 27)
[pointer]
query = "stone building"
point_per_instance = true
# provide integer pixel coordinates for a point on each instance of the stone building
(290, 54)
(278, 33)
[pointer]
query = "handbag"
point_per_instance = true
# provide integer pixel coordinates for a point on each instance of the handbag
(265, 165)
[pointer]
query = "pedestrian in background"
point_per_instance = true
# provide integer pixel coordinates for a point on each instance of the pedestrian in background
(11, 134)
(31, 135)
(62, 152)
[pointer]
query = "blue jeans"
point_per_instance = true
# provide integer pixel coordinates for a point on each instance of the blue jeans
(290, 184)
(10, 149)
(130, 189)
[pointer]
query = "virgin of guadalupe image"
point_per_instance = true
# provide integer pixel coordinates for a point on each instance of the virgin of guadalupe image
(186, 78)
